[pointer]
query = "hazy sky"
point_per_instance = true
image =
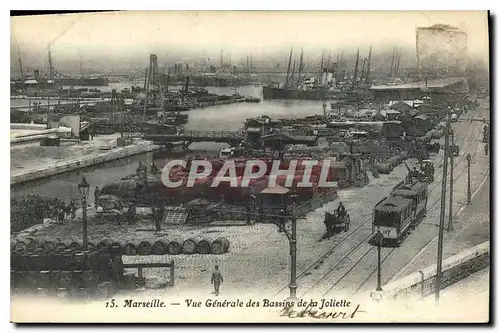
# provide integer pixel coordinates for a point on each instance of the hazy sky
(123, 36)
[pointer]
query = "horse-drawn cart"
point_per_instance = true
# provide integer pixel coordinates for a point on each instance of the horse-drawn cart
(335, 224)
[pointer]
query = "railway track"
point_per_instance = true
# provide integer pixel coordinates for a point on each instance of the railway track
(465, 143)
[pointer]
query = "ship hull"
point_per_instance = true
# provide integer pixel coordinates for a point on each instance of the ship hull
(278, 93)
(320, 94)
(85, 82)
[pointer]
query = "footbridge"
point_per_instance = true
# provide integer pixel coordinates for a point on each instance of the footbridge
(188, 137)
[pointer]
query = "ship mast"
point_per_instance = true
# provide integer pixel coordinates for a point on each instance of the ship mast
(288, 69)
(355, 70)
(392, 62)
(368, 65)
(300, 65)
(396, 70)
(20, 64)
(362, 71)
(321, 69)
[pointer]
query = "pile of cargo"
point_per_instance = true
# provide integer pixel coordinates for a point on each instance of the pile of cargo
(389, 164)
(65, 273)
(130, 248)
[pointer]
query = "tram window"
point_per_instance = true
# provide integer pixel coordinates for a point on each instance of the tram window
(386, 218)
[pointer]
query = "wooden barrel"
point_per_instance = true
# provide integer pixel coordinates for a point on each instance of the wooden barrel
(204, 247)
(144, 248)
(55, 279)
(383, 168)
(129, 249)
(20, 245)
(77, 279)
(117, 247)
(74, 244)
(105, 243)
(32, 279)
(44, 279)
(160, 247)
(79, 260)
(91, 245)
(49, 245)
(128, 282)
(189, 246)
(61, 246)
(89, 279)
(33, 244)
(175, 247)
(220, 245)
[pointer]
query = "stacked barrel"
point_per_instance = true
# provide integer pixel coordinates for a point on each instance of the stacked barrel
(389, 164)
(64, 272)
(131, 247)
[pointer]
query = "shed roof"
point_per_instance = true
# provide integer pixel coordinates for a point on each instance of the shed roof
(276, 189)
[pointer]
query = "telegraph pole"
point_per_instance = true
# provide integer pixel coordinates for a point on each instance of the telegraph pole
(443, 208)
(450, 212)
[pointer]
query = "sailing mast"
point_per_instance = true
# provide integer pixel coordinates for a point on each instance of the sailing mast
(368, 66)
(300, 65)
(355, 70)
(20, 64)
(321, 69)
(362, 71)
(293, 73)
(392, 62)
(288, 70)
(396, 70)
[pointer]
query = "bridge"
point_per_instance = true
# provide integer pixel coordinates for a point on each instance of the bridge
(187, 137)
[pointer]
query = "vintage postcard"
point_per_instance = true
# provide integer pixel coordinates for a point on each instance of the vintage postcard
(250, 166)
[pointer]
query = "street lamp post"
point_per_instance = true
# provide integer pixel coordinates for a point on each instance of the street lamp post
(293, 251)
(157, 209)
(84, 188)
(379, 238)
(468, 180)
(450, 212)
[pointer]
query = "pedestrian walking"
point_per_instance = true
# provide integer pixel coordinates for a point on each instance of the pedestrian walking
(217, 279)
(486, 148)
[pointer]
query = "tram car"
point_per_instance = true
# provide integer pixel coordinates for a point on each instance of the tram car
(395, 215)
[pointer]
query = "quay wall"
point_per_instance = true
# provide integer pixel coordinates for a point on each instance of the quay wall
(422, 283)
(138, 147)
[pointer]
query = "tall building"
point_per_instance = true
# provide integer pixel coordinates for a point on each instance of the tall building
(441, 50)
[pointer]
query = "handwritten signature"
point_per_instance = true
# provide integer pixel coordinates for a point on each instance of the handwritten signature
(310, 311)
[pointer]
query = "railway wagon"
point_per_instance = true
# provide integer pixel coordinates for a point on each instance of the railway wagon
(395, 215)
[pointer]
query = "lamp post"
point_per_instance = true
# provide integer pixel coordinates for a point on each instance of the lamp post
(468, 180)
(157, 210)
(84, 188)
(379, 238)
(293, 251)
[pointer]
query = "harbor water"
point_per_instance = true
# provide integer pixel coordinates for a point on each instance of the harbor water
(217, 118)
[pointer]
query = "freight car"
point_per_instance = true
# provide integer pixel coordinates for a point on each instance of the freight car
(400, 212)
